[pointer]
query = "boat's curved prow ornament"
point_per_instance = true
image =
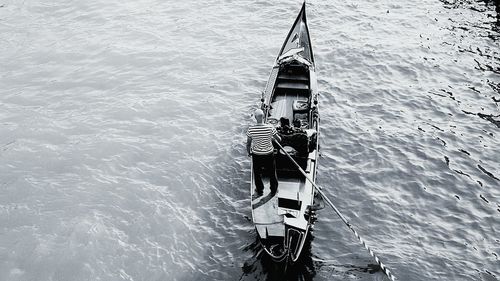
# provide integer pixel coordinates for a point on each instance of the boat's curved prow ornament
(299, 37)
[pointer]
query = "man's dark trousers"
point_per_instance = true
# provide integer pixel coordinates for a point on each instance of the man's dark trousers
(268, 163)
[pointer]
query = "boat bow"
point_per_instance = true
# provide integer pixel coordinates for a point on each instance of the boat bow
(298, 38)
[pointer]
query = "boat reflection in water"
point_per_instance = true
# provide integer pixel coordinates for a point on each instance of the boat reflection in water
(262, 264)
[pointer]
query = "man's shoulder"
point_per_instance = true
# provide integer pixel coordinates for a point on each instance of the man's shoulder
(251, 128)
(260, 127)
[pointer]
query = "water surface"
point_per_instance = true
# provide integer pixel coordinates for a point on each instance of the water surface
(122, 138)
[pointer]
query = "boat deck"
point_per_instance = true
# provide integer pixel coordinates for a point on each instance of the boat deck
(266, 216)
(283, 104)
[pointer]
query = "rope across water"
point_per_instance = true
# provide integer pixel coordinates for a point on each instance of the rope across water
(384, 268)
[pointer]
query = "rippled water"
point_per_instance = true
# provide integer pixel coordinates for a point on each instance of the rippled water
(122, 138)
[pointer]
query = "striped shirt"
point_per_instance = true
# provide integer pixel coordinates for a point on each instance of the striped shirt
(262, 138)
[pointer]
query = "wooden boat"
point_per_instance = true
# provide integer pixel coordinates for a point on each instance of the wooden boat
(283, 221)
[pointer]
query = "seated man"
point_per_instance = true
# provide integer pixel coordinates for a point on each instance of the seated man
(294, 137)
(285, 128)
(297, 124)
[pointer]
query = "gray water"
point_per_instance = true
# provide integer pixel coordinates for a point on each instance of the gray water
(122, 138)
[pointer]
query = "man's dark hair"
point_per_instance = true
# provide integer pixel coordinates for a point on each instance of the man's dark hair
(284, 122)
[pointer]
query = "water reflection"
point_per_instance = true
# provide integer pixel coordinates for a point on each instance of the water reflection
(262, 267)
(486, 57)
(485, 6)
(496, 4)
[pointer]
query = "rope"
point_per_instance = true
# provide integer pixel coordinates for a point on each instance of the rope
(386, 270)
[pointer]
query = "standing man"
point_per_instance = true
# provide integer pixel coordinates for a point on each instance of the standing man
(260, 146)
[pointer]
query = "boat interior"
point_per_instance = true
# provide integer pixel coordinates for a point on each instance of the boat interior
(291, 94)
(282, 221)
(291, 100)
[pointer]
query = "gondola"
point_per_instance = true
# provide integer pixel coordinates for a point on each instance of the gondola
(283, 221)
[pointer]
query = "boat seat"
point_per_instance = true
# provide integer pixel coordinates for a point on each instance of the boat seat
(300, 109)
(293, 77)
(294, 85)
(300, 106)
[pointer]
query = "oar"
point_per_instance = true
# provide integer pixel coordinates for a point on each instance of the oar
(319, 190)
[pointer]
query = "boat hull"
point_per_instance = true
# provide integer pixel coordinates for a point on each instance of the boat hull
(284, 220)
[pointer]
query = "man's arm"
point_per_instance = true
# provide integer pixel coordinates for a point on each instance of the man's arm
(277, 138)
(249, 145)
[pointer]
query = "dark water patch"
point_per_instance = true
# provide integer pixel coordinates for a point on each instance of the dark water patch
(434, 126)
(442, 141)
(447, 160)
(474, 89)
(496, 87)
(487, 117)
(488, 276)
(450, 94)
(261, 267)
(491, 118)
(460, 172)
(490, 8)
(487, 67)
(484, 199)
(486, 53)
(445, 94)
(464, 151)
(250, 266)
(351, 271)
(489, 174)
